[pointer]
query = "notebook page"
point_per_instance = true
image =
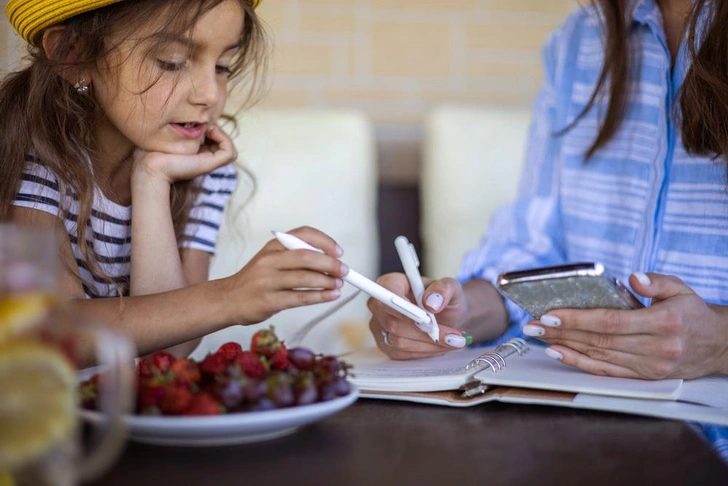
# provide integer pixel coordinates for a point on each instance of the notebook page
(536, 370)
(373, 370)
(710, 390)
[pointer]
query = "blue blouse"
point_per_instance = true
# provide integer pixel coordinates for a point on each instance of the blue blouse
(642, 203)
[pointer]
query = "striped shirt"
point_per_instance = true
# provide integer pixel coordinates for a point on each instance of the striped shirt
(642, 203)
(109, 230)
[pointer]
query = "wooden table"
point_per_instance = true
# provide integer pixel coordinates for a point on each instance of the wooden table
(394, 443)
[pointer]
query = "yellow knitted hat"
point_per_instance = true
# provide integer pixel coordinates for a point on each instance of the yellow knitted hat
(29, 17)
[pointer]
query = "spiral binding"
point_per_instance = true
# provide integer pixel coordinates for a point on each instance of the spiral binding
(495, 360)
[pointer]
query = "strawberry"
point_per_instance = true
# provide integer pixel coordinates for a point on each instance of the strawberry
(214, 364)
(204, 404)
(230, 350)
(250, 364)
(265, 342)
(162, 361)
(149, 394)
(279, 360)
(176, 399)
(186, 371)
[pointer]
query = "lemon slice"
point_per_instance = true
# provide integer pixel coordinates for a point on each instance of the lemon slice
(20, 312)
(37, 403)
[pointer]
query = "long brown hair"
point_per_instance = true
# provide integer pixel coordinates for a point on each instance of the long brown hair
(703, 98)
(43, 116)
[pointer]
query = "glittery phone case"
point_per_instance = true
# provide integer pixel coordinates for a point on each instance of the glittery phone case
(575, 286)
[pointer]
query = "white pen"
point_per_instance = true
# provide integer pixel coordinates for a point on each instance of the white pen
(410, 263)
(401, 305)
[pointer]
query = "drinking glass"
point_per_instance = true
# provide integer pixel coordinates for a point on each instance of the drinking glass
(44, 345)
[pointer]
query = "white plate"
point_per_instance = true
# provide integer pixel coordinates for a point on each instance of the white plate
(228, 429)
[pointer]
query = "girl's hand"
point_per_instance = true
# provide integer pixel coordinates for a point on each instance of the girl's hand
(218, 150)
(399, 338)
(679, 336)
(276, 278)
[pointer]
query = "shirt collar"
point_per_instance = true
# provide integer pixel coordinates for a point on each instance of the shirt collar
(646, 12)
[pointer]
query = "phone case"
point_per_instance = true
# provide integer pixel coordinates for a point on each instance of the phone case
(576, 286)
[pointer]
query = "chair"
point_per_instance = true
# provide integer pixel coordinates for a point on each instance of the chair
(314, 168)
(472, 158)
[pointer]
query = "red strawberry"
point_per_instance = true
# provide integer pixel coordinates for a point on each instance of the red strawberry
(265, 342)
(162, 361)
(149, 394)
(177, 398)
(250, 364)
(214, 364)
(230, 350)
(279, 360)
(186, 370)
(204, 404)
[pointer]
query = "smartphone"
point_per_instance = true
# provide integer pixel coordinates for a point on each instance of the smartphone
(574, 286)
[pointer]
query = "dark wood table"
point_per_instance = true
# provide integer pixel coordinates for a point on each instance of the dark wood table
(394, 443)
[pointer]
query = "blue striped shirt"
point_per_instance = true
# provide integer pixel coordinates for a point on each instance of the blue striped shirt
(642, 203)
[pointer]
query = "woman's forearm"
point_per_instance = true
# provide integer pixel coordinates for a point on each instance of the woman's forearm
(487, 316)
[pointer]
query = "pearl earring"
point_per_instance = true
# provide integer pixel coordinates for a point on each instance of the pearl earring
(81, 86)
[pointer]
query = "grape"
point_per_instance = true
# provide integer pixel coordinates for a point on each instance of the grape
(254, 390)
(262, 405)
(231, 394)
(328, 365)
(281, 393)
(301, 358)
(341, 386)
(327, 391)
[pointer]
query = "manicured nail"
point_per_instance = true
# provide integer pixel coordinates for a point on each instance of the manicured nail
(531, 330)
(468, 339)
(455, 340)
(551, 321)
(426, 328)
(344, 268)
(339, 283)
(335, 294)
(642, 278)
(552, 353)
(434, 301)
(339, 250)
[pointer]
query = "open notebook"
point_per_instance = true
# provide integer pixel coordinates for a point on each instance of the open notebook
(522, 373)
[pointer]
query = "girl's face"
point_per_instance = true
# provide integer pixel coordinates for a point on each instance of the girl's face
(163, 100)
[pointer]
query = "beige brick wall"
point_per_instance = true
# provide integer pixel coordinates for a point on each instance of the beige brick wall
(396, 59)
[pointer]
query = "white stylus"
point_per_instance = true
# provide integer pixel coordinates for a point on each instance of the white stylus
(359, 281)
(410, 263)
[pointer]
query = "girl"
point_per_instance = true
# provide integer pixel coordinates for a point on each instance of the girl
(111, 138)
(626, 166)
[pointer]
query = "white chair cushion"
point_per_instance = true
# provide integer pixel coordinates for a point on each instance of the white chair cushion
(472, 159)
(314, 168)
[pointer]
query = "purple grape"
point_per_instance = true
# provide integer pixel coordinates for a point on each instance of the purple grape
(301, 358)
(341, 386)
(327, 391)
(231, 394)
(281, 394)
(254, 390)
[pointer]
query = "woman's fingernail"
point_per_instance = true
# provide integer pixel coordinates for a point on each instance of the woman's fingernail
(344, 269)
(468, 339)
(551, 321)
(531, 330)
(339, 283)
(552, 353)
(339, 250)
(456, 341)
(642, 278)
(434, 301)
(335, 294)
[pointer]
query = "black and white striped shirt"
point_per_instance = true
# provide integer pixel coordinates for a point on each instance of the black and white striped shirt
(109, 230)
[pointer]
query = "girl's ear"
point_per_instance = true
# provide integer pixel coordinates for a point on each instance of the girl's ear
(62, 55)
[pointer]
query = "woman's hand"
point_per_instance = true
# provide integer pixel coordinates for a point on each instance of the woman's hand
(218, 150)
(276, 278)
(399, 338)
(679, 336)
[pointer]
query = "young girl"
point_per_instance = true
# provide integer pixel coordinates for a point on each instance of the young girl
(110, 136)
